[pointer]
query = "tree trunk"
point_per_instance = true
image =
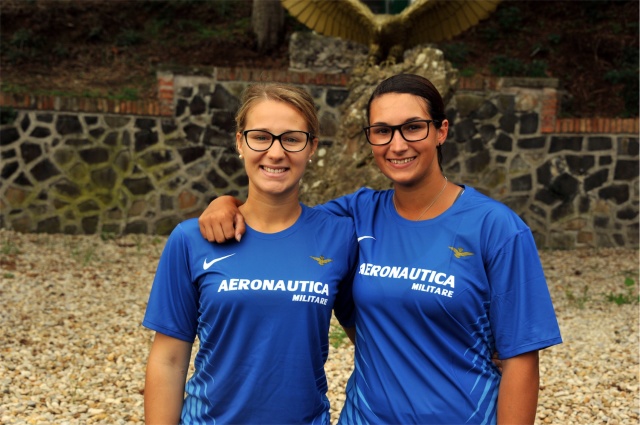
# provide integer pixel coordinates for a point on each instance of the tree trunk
(267, 22)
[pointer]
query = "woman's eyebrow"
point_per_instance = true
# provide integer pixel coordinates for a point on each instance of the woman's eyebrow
(404, 122)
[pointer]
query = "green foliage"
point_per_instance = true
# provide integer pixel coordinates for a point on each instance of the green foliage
(13, 88)
(107, 236)
(468, 72)
(554, 39)
(629, 294)
(129, 38)
(60, 51)
(154, 27)
(626, 75)
(224, 7)
(127, 93)
(579, 300)
(456, 53)
(208, 31)
(24, 38)
(337, 336)
(83, 255)
(537, 69)
(23, 45)
(8, 115)
(490, 34)
(9, 248)
(509, 18)
(504, 66)
(95, 34)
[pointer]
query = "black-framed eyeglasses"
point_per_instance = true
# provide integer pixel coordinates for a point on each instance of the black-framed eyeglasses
(412, 131)
(291, 141)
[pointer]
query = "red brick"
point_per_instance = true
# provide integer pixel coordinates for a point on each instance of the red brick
(548, 124)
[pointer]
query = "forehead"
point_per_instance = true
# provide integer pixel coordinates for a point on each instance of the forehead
(269, 110)
(391, 107)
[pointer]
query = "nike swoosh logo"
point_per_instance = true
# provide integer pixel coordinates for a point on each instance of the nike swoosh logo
(215, 260)
(366, 237)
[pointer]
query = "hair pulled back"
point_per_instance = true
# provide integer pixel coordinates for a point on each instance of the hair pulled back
(415, 85)
(297, 97)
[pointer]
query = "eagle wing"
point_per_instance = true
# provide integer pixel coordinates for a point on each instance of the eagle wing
(431, 21)
(347, 19)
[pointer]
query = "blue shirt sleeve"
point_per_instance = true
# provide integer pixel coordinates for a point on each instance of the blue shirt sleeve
(342, 206)
(522, 314)
(173, 302)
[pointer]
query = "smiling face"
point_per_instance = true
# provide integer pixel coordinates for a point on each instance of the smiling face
(274, 172)
(406, 163)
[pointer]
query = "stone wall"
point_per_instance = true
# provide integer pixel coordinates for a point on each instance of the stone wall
(92, 167)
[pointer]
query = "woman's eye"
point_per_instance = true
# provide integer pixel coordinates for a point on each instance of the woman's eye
(413, 127)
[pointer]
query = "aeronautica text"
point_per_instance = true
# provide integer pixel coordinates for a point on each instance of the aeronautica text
(313, 289)
(425, 280)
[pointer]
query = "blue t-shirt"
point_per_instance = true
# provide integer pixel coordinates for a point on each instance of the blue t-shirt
(261, 310)
(434, 299)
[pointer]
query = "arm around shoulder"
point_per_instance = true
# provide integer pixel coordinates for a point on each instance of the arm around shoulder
(222, 220)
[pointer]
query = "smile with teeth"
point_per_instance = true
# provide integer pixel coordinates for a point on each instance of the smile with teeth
(401, 161)
(273, 170)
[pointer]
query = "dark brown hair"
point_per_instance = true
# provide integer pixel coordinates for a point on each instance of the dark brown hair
(417, 86)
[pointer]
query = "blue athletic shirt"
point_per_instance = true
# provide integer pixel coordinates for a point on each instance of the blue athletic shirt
(261, 311)
(434, 299)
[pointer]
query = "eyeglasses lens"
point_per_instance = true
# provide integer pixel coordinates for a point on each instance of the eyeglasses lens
(291, 141)
(411, 132)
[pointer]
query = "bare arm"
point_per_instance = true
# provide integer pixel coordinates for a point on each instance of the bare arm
(351, 333)
(164, 384)
(518, 394)
(222, 220)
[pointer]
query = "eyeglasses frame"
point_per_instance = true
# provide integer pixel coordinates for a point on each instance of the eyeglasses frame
(399, 128)
(310, 136)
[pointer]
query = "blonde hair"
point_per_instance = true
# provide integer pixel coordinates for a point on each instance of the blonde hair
(300, 99)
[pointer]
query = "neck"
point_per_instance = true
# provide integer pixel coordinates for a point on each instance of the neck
(427, 202)
(272, 215)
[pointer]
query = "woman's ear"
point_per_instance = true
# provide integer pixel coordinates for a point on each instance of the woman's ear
(314, 147)
(239, 144)
(443, 131)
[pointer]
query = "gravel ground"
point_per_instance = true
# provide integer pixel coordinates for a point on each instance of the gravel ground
(72, 350)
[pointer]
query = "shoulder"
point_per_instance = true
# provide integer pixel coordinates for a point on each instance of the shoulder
(366, 194)
(497, 225)
(340, 229)
(186, 228)
(362, 198)
(483, 204)
(319, 216)
(186, 236)
(490, 214)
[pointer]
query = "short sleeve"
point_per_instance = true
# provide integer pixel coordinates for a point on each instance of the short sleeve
(342, 206)
(173, 302)
(522, 314)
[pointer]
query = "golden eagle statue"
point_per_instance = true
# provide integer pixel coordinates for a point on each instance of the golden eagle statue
(388, 36)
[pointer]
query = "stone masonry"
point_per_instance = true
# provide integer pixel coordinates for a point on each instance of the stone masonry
(91, 173)
(86, 172)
